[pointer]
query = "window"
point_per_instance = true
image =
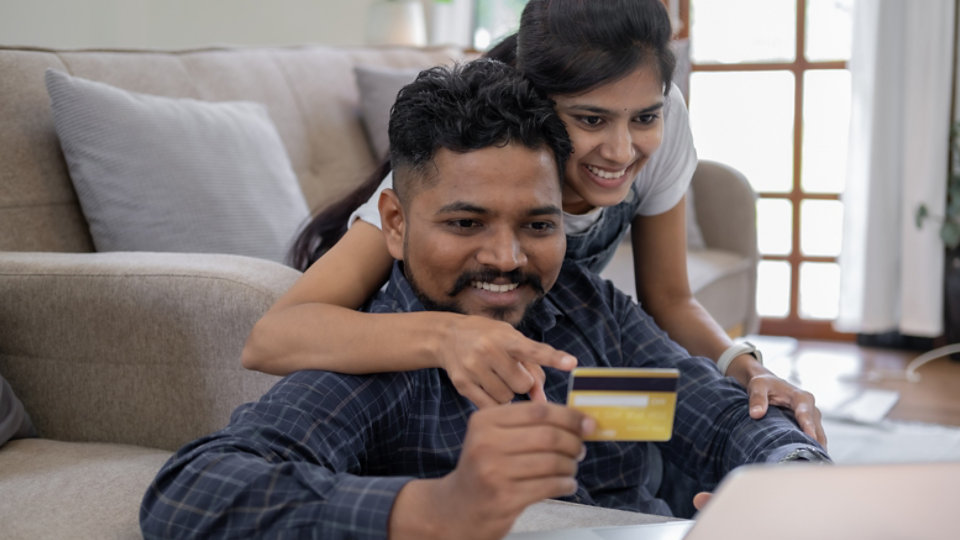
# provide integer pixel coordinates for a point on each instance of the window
(495, 19)
(770, 95)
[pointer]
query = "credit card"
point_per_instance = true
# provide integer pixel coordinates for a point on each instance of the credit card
(629, 404)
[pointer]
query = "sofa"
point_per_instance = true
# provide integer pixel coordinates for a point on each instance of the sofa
(121, 355)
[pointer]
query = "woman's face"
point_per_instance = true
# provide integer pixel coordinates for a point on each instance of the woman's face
(614, 129)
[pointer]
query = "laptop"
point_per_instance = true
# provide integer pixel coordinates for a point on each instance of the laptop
(915, 501)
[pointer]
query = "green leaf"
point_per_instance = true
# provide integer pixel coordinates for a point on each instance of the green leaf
(921, 215)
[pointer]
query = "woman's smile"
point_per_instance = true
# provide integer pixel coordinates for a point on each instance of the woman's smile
(614, 129)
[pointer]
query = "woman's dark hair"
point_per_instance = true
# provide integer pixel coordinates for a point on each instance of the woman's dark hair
(572, 46)
(325, 228)
(563, 47)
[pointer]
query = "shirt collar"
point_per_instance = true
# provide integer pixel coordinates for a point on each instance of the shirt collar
(400, 296)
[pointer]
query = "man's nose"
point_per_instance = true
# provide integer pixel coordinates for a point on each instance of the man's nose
(502, 250)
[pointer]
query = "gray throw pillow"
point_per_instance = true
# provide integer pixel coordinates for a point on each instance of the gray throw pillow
(155, 173)
(378, 91)
(14, 421)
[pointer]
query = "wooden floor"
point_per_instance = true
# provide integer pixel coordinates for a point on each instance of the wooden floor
(828, 368)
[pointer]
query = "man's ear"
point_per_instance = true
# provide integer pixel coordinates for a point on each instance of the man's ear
(393, 222)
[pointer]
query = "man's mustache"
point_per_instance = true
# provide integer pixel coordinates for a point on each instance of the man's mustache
(489, 276)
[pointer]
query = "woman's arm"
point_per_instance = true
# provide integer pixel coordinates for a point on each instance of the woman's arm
(316, 325)
(660, 270)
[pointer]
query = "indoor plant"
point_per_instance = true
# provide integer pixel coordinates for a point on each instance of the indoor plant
(950, 234)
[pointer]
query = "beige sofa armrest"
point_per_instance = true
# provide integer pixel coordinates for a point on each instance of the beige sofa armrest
(135, 348)
(725, 208)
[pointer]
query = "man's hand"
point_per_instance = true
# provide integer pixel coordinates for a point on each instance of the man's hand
(490, 361)
(767, 389)
(513, 456)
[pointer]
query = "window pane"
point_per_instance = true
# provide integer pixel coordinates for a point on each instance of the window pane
(821, 225)
(829, 29)
(819, 290)
(774, 226)
(731, 31)
(773, 289)
(826, 120)
(745, 119)
(495, 20)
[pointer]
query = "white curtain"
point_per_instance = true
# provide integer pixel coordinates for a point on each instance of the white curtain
(902, 70)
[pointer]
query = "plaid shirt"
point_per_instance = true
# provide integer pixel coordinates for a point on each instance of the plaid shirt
(323, 455)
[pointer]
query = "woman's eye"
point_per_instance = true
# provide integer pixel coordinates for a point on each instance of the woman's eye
(647, 119)
(591, 121)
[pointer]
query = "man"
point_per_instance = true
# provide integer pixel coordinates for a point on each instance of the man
(475, 222)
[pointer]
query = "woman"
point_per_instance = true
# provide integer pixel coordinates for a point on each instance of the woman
(608, 67)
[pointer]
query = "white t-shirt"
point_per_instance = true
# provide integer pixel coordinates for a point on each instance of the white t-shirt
(661, 183)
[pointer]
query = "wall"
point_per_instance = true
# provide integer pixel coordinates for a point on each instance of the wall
(181, 23)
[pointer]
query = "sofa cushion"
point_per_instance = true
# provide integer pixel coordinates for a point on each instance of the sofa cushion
(74, 490)
(161, 174)
(721, 282)
(378, 90)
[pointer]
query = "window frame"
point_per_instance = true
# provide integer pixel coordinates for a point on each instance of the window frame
(793, 324)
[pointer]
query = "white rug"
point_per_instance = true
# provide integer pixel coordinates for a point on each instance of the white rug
(891, 442)
(886, 441)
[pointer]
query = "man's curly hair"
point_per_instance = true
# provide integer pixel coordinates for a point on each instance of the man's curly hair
(466, 107)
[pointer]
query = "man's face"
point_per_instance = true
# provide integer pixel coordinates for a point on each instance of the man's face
(485, 237)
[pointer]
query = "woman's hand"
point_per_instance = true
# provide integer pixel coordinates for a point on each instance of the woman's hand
(490, 361)
(765, 388)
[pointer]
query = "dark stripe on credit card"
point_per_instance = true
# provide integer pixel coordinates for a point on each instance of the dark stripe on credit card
(626, 384)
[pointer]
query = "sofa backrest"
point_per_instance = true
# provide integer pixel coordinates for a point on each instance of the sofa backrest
(310, 93)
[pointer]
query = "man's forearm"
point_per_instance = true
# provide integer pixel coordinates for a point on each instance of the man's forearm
(227, 492)
(284, 464)
(714, 433)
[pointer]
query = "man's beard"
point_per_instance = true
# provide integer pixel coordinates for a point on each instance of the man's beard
(487, 276)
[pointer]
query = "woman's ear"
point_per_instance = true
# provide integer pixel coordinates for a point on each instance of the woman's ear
(393, 222)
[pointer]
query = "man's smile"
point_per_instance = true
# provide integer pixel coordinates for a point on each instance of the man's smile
(493, 287)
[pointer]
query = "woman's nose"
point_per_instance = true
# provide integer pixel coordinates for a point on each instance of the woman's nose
(618, 147)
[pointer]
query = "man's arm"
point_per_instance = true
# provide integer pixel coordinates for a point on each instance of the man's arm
(513, 456)
(713, 431)
(286, 463)
(295, 463)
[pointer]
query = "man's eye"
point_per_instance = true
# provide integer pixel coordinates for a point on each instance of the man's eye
(463, 223)
(542, 226)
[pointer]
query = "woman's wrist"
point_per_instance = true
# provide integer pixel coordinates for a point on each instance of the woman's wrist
(742, 361)
(745, 367)
(443, 329)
